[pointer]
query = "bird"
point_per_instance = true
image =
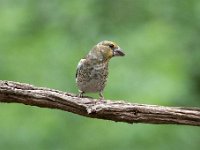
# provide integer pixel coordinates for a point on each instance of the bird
(92, 70)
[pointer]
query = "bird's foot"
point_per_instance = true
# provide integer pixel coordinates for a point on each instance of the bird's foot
(101, 95)
(101, 98)
(81, 94)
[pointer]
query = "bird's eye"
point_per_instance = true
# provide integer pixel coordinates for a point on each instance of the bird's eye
(111, 46)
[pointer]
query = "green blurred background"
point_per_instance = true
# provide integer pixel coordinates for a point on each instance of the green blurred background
(42, 41)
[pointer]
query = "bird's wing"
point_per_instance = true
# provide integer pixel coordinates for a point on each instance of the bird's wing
(80, 64)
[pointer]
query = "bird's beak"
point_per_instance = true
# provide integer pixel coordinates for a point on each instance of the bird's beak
(118, 52)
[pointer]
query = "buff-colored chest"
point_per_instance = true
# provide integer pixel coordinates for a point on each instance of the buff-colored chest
(92, 77)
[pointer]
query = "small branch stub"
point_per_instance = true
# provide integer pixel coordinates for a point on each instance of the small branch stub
(118, 111)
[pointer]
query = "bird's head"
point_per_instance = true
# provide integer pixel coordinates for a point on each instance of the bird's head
(105, 50)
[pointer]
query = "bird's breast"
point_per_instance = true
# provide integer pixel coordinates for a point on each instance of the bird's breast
(92, 78)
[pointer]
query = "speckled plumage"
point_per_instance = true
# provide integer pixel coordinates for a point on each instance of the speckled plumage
(92, 71)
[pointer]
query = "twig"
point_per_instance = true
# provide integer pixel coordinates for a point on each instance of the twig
(119, 111)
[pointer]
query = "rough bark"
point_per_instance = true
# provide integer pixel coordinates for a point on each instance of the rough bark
(119, 111)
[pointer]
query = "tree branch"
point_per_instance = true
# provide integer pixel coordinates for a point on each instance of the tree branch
(119, 111)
